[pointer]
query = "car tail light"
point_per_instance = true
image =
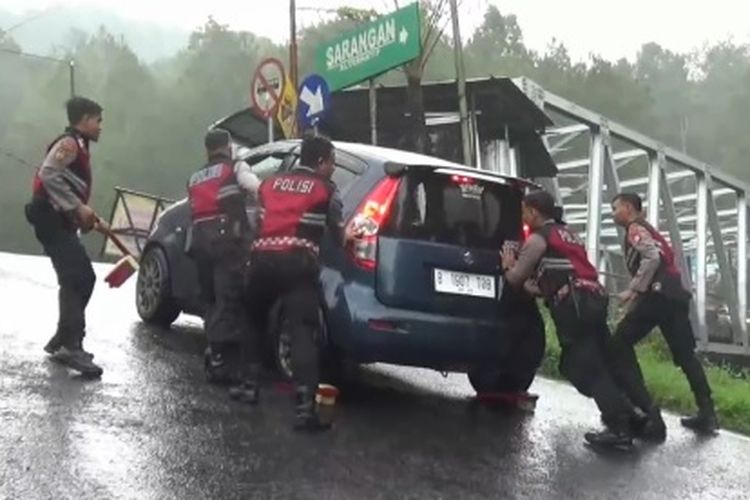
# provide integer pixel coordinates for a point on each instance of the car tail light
(369, 219)
(461, 179)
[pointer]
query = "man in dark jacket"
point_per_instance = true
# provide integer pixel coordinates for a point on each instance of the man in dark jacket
(58, 210)
(556, 259)
(220, 239)
(656, 297)
(297, 208)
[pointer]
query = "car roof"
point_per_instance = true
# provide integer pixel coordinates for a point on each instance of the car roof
(384, 155)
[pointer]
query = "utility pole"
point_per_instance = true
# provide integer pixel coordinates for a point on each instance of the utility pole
(461, 80)
(72, 67)
(293, 54)
(70, 63)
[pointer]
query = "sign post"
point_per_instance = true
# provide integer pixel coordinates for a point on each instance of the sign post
(266, 90)
(373, 113)
(372, 49)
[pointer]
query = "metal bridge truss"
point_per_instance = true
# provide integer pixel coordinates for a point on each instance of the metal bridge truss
(699, 208)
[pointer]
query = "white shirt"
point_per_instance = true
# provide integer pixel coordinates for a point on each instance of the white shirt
(247, 180)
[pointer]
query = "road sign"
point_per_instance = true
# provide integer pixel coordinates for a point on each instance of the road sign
(372, 49)
(314, 100)
(267, 87)
(287, 113)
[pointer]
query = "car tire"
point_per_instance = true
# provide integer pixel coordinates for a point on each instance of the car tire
(153, 292)
(516, 374)
(486, 380)
(277, 344)
(334, 368)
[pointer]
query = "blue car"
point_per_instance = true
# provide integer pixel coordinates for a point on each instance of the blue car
(423, 287)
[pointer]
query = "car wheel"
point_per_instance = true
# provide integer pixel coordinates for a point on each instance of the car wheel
(516, 373)
(491, 380)
(153, 298)
(333, 367)
(278, 343)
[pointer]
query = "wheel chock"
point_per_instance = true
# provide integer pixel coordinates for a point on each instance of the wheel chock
(522, 400)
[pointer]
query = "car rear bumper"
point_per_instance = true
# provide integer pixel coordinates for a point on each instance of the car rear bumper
(368, 331)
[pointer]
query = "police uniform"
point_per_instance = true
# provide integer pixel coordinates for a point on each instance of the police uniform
(556, 258)
(661, 301)
(60, 186)
(295, 208)
(219, 239)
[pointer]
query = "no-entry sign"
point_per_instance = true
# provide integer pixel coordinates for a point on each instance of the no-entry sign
(267, 87)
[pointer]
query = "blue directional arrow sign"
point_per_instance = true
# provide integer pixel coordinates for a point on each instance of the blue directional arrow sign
(314, 100)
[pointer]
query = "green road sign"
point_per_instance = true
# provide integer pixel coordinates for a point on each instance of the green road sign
(372, 49)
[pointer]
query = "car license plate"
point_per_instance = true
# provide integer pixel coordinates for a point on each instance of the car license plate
(475, 285)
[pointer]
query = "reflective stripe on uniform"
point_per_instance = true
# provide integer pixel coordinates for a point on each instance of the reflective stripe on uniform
(231, 190)
(554, 264)
(283, 242)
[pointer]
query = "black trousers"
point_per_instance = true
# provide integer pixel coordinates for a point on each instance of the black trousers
(222, 270)
(75, 274)
(672, 316)
(292, 278)
(581, 324)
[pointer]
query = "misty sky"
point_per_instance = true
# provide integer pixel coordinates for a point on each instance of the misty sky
(611, 29)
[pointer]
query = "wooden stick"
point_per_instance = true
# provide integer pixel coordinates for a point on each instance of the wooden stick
(118, 243)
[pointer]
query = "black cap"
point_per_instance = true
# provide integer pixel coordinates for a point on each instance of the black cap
(542, 201)
(217, 138)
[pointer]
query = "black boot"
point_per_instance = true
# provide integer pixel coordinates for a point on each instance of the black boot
(609, 438)
(705, 422)
(77, 360)
(55, 343)
(649, 427)
(305, 417)
(615, 435)
(217, 368)
(247, 391)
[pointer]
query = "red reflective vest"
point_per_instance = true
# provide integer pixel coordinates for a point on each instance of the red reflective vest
(565, 261)
(213, 192)
(80, 167)
(667, 278)
(294, 209)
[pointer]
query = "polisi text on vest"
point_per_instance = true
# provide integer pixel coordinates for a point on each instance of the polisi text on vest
(293, 185)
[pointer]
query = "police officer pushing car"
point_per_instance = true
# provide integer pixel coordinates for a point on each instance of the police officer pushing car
(656, 297)
(564, 277)
(219, 243)
(296, 209)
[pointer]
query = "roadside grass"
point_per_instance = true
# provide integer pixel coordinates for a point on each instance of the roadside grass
(731, 387)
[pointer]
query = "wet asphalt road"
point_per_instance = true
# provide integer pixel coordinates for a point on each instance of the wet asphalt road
(151, 429)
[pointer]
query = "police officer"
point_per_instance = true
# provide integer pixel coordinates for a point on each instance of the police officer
(58, 210)
(220, 239)
(296, 209)
(556, 258)
(656, 297)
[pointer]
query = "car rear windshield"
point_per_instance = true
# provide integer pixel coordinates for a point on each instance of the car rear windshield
(455, 209)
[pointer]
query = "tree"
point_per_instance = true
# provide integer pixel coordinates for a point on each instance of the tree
(721, 101)
(12, 79)
(665, 75)
(434, 21)
(497, 47)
